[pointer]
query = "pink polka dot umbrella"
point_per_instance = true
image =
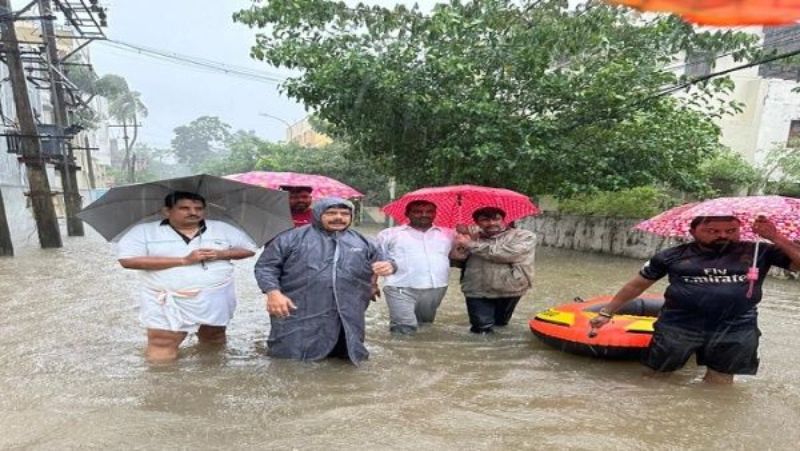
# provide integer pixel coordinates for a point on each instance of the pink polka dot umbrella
(455, 204)
(784, 212)
(321, 186)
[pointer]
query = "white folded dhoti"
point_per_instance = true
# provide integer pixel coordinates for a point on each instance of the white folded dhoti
(187, 310)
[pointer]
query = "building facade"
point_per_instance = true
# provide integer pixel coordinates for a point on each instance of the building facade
(303, 133)
(771, 109)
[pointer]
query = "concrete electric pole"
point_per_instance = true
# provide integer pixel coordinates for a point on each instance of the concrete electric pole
(41, 197)
(67, 168)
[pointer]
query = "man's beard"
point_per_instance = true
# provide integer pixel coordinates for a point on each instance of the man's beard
(719, 245)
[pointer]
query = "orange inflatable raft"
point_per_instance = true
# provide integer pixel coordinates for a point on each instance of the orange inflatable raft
(566, 327)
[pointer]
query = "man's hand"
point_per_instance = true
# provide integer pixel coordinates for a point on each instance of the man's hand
(204, 254)
(473, 232)
(462, 239)
(376, 292)
(198, 256)
(279, 304)
(764, 228)
(383, 268)
(596, 323)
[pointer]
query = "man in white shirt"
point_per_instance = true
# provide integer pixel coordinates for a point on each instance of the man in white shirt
(186, 274)
(421, 252)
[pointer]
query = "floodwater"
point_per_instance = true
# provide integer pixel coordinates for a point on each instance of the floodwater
(72, 375)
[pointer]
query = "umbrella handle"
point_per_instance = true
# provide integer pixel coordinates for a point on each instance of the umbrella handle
(752, 277)
(752, 273)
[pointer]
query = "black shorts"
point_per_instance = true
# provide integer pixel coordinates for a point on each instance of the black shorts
(732, 350)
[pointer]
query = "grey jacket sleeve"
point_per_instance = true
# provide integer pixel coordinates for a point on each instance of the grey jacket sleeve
(269, 266)
(515, 248)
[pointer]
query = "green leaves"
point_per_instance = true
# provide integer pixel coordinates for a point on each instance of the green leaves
(529, 95)
(200, 140)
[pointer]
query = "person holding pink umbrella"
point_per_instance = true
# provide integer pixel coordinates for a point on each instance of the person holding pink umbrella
(421, 251)
(711, 302)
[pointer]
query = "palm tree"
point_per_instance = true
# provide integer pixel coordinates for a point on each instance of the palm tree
(127, 107)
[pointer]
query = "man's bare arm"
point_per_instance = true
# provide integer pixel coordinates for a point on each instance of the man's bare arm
(154, 263)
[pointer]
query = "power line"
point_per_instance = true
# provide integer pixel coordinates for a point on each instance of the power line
(703, 78)
(187, 60)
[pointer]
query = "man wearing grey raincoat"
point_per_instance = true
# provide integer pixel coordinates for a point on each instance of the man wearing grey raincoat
(318, 283)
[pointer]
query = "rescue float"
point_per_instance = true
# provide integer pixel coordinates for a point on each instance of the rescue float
(566, 327)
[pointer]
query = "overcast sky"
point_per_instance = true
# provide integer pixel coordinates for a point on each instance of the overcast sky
(177, 94)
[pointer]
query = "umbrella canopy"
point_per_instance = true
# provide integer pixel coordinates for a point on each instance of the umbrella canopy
(455, 204)
(783, 211)
(322, 186)
(260, 212)
(724, 12)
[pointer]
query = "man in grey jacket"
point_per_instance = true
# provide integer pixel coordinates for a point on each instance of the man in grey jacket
(318, 282)
(498, 268)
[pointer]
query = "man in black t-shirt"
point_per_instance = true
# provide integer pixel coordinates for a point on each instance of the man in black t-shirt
(708, 310)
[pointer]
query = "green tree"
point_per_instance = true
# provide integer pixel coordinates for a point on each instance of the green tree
(526, 94)
(727, 174)
(334, 160)
(200, 140)
(244, 150)
(156, 164)
(640, 202)
(126, 107)
(779, 172)
(247, 152)
(85, 80)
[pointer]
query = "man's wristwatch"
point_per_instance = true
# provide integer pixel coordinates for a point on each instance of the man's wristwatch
(605, 313)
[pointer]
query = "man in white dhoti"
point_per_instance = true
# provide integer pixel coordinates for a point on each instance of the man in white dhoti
(187, 274)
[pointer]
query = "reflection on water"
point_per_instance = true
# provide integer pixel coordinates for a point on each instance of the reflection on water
(72, 374)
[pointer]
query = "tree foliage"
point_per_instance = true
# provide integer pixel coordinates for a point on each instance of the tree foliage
(779, 171)
(727, 174)
(640, 202)
(247, 152)
(526, 94)
(200, 140)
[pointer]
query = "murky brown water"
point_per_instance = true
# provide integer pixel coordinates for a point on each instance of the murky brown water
(72, 375)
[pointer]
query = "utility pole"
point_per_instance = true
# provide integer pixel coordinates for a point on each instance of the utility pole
(89, 164)
(67, 168)
(6, 245)
(41, 197)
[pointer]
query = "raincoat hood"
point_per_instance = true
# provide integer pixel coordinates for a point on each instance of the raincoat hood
(321, 205)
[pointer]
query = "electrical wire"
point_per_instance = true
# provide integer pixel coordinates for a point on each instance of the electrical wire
(192, 61)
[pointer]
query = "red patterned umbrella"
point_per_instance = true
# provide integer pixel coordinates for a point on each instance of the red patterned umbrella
(455, 204)
(322, 186)
(783, 211)
(724, 12)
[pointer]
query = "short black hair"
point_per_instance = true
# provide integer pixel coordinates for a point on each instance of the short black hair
(173, 198)
(297, 189)
(417, 203)
(488, 213)
(704, 219)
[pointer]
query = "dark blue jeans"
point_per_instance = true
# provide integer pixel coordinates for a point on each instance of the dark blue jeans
(485, 313)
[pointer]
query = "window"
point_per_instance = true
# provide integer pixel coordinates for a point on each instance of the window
(793, 140)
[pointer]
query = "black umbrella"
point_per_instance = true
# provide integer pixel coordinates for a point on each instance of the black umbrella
(261, 212)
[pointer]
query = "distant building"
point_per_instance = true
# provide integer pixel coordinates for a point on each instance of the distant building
(771, 112)
(302, 133)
